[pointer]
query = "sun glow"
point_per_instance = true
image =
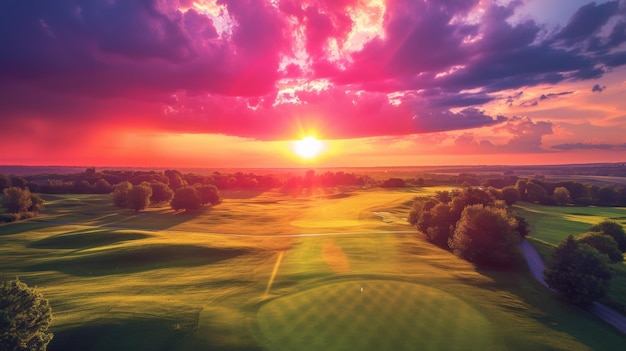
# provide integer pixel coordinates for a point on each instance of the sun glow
(307, 147)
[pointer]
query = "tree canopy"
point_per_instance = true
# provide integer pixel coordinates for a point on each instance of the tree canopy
(578, 272)
(186, 198)
(24, 318)
(16, 200)
(613, 229)
(486, 236)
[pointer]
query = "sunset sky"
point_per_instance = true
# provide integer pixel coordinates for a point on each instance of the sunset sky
(232, 83)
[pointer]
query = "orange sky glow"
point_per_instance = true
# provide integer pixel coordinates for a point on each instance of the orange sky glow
(233, 84)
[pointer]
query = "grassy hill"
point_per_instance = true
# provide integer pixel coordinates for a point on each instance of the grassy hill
(266, 271)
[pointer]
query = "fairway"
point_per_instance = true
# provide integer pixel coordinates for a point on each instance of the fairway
(348, 316)
(269, 271)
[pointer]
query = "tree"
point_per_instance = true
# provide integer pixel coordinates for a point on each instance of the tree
(175, 179)
(209, 194)
(186, 198)
(120, 193)
(16, 200)
(5, 182)
(520, 185)
(138, 197)
(161, 192)
(442, 225)
(535, 192)
(578, 272)
(24, 318)
(510, 195)
(102, 186)
(486, 236)
(562, 196)
(604, 244)
(606, 195)
(19, 182)
(36, 204)
(613, 229)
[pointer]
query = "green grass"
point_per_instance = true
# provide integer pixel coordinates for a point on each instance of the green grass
(248, 275)
(551, 224)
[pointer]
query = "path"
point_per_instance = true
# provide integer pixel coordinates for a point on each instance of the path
(537, 266)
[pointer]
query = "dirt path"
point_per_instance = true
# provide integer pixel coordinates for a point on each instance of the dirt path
(537, 266)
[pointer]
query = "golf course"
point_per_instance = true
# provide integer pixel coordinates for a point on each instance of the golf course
(270, 271)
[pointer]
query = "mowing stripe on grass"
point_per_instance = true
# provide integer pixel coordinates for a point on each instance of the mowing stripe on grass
(274, 271)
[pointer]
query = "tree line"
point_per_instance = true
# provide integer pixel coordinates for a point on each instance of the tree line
(478, 227)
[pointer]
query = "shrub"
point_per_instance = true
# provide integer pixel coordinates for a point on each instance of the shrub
(24, 318)
(578, 272)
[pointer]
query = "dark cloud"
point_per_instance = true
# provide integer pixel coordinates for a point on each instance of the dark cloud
(443, 120)
(597, 88)
(581, 146)
(151, 63)
(587, 21)
(543, 97)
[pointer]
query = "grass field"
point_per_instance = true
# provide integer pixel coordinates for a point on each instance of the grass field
(552, 224)
(265, 271)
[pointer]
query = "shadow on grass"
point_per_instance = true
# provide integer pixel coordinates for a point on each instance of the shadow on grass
(554, 312)
(84, 239)
(128, 334)
(138, 259)
(159, 219)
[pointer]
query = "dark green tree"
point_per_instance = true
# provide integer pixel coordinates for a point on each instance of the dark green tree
(24, 318)
(486, 236)
(138, 197)
(606, 195)
(562, 196)
(19, 182)
(209, 194)
(510, 195)
(612, 229)
(120, 193)
(186, 198)
(102, 186)
(16, 200)
(605, 244)
(5, 182)
(442, 225)
(36, 204)
(535, 192)
(578, 272)
(161, 192)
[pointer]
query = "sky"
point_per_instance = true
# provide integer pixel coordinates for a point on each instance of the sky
(233, 83)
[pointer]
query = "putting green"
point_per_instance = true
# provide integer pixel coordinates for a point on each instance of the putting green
(373, 315)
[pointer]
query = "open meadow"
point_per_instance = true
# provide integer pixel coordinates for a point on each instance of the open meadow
(268, 271)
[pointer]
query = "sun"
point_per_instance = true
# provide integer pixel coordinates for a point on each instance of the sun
(307, 147)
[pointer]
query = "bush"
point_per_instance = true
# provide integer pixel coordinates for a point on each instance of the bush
(578, 272)
(24, 318)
